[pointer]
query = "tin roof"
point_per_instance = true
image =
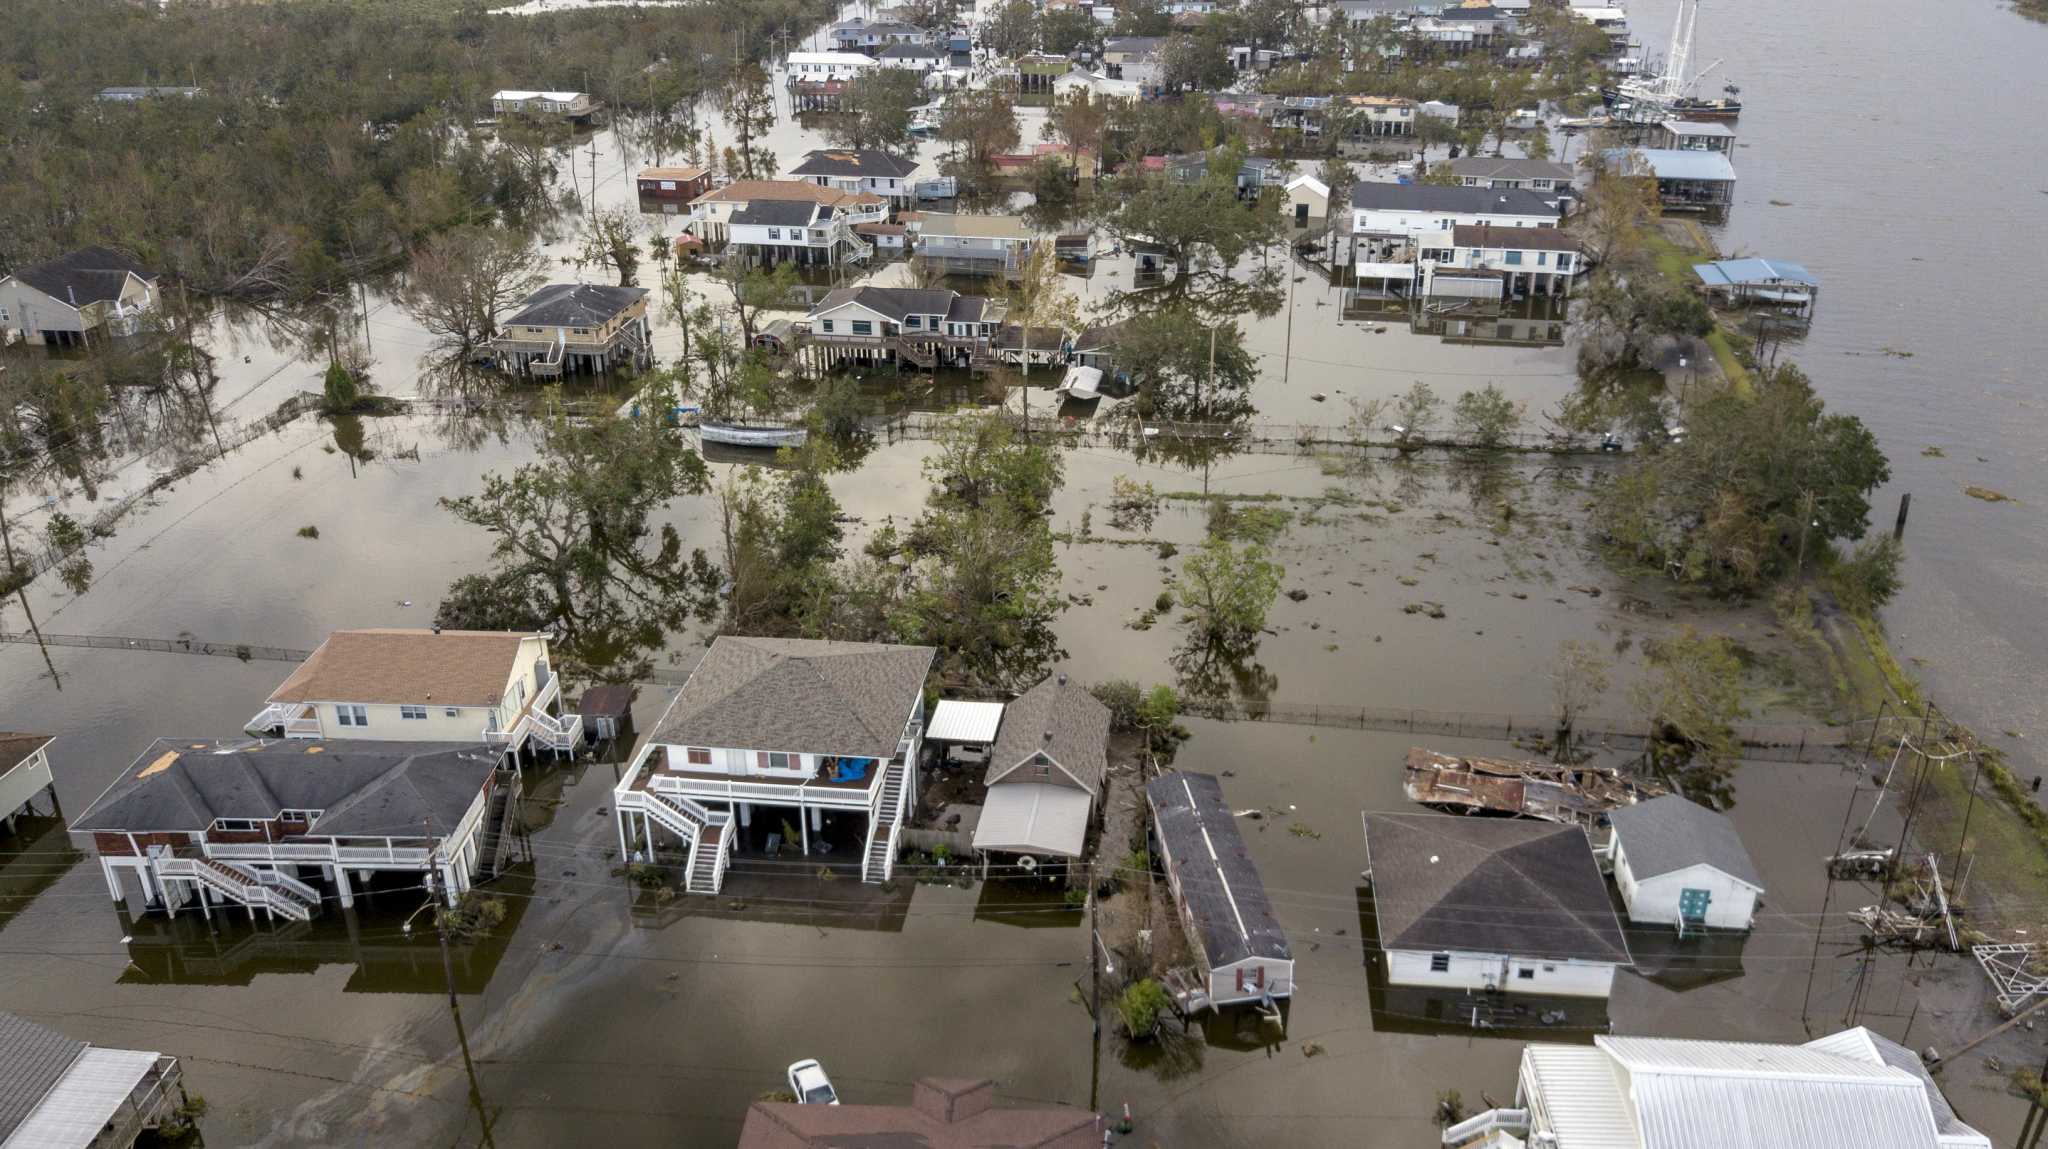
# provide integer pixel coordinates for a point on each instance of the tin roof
(1225, 898)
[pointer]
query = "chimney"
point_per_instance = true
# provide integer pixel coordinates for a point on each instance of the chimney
(950, 1099)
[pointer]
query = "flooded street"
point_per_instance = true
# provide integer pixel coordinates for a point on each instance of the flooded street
(601, 1014)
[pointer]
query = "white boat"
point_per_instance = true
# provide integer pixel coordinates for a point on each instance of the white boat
(1081, 383)
(752, 435)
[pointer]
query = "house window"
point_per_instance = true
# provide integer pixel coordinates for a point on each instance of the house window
(1526, 974)
(1514, 258)
(697, 756)
(1439, 963)
(453, 711)
(237, 824)
(913, 320)
(774, 233)
(863, 327)
(348, 715)
(1564, 261)
(827, 326)
(416, 713)
(1542, 259)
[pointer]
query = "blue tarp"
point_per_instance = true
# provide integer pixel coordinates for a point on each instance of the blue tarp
(851, 769)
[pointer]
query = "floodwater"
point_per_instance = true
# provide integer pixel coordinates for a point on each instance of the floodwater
(1860, 155)
(598, 1013)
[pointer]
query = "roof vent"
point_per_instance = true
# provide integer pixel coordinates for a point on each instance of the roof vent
(1048, 736)
(1063, 678)
(437, 628)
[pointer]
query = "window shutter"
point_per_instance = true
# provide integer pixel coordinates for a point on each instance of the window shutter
(761, 759)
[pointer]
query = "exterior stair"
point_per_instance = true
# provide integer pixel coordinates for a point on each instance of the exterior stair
(916, 354)
(880, 860)
(499, 837)
(275, 893)
(708, 857)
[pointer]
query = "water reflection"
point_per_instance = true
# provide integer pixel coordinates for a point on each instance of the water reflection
(233, 949)
(1220, 670)
(31, 860)
(1031, 903)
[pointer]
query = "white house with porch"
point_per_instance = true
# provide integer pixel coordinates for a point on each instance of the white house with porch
(497, 688)
(821, 729)
(213, 824)
(24, 773)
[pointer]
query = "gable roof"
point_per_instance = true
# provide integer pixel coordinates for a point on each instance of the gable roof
(1519, 238)
(1060, 719)
(1224, 896)
(1490, 885)
(366, 789)
(1863, 1044)
(391, 666)
(680, 174)
(1510, 168)
(88, 275)
(941, 224)
(1668, 834)
(865, 162)
(1677, 163)
(892, 302)
(904, 50)
(749, 191)
(33, 1059)
(1373, 196)
(574, 305)
(797, 694)
(16, 748)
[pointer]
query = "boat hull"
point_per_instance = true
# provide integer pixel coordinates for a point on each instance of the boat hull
(743, 435)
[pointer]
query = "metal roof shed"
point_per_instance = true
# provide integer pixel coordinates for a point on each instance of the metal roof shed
(1034, 818)
(955, 720)
(1223, 906)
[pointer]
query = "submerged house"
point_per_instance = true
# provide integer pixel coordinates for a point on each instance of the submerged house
(57, 1092)
(1494, 263)
(575, 327)
(1853, 1088)
(24, 773)
(944, 1113)
(1237, 940)
(919, 327)
(1687, 179)
(803, 726)
(856, 170)
(91, 292)
(1046, 771)
(1491, 905)
(1777, 281)
(243, 823)
(711, 214)
(573, 106)
(1678, 863)
(468, 687)
(976, 244)
(1501, 173)
(686, 182)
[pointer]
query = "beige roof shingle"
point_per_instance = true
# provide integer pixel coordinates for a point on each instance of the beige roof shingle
(393, 666)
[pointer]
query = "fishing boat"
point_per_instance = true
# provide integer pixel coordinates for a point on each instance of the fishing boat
(1647, 98)
(752, 434)
(1082, 383)
(1575, 795)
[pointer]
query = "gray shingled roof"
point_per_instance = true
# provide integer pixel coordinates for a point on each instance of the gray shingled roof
(893, 302)
(88, 275)
(1462, 200)
(798, 695)
(367, 789)
(33, 1059)
(863, 162)
(1222, 892)
(1510, 168)
(776, 213)
(1490, 885)
(1060, 719)
(1664, 835)
(574, 305)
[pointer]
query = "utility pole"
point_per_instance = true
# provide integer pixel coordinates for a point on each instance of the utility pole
(476, 1096)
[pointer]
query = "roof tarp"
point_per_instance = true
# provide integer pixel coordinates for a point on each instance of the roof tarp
(957, 721)
(1033, 818)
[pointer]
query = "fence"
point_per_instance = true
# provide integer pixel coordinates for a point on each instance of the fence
(236, 650)
(28, 565)
(1256, 437)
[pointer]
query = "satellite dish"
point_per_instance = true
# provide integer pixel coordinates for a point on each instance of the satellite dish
(1027, 863)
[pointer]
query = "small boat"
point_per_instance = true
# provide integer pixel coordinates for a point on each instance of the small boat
(752, 434)
(1581, 123)
(1575, 795)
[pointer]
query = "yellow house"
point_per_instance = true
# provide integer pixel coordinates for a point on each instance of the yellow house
(400, 685)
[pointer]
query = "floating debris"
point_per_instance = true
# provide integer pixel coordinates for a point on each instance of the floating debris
(1987, 494)
(1574, 795)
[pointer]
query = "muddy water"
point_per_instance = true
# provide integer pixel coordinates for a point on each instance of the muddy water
(1933, 351)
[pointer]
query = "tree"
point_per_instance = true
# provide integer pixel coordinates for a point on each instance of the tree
(575, 536)
(613, 237)
(1077, 119)
(1487, 417)
(1040, 301)
(747, 103)
(1225, 590)
(1143, 18)
(1578, 680)
(339, 387)
(1619, 210)
(1206, 233)
(1069, 31)
(978, 124)
(1187, 370)
(464, 279)
(1011, 29)
(1195, 63)
(1416, 412)
(1692, 701)
(876, 110)
(756, 289)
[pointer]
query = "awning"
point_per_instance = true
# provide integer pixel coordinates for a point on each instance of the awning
(1033, 818)
(77, 1109)
(955, 721)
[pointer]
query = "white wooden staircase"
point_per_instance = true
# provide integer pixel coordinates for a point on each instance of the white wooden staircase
(268, 890)
(886, 826)
(708, 833)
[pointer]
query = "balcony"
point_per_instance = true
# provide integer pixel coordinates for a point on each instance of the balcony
(292, 719)
(654, 775)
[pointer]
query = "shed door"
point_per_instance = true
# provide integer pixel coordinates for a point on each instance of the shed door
(1301, 215)
(1692, 904)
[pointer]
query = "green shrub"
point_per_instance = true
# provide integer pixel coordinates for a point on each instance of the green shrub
(309, 531)
(1142, 1003)
(1869, 577)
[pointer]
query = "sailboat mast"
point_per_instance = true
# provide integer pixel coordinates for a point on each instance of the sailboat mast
(1681, 48)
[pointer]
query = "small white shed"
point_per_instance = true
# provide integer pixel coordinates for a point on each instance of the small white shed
(1307, 201)
(1679, 863)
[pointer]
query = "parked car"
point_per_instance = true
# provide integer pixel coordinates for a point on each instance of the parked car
(808, 1081)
